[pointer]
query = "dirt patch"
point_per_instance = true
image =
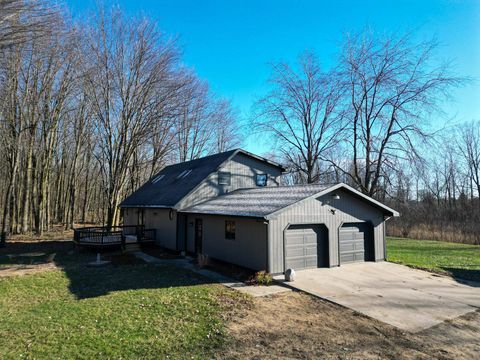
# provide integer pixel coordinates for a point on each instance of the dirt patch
(18, 270)
(296, 325)
(56, 232)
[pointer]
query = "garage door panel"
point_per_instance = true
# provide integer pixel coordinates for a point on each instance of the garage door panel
(293, 251)
(351, 244)
(347, 257)
(295, 240)
(301, 246)
(311, 262)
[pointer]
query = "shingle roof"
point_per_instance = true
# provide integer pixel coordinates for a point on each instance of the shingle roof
(256, 202)
(169, 190)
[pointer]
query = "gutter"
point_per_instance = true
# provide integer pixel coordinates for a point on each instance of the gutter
(267, 233)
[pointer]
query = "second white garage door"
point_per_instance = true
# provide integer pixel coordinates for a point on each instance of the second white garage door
(352, 243)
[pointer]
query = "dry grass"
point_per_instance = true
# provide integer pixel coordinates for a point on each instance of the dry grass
(447, 233)
(298, 326)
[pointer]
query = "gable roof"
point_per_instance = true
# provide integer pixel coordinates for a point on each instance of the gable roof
(269, 201)
(168, 187)
(255, 202)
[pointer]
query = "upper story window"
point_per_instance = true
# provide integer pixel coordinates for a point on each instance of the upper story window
(224, 178)
(261, 179)
(157, 179)
(230, 230)
(184, 174)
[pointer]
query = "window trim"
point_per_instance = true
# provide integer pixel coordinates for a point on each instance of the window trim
(256, 180)
(224, 173)
(228, 230)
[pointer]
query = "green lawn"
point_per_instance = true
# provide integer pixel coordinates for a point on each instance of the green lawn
(126, 311)
(458, 260)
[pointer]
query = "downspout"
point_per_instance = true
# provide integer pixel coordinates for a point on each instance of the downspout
(267, 263)
(176, 233)
(186, 234)
(385, 237)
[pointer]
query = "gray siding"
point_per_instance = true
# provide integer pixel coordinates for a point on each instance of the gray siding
(316, 211)
(249, 249)
(243, 170)
(158, 219)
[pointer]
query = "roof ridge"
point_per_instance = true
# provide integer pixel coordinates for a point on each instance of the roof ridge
(201, 158)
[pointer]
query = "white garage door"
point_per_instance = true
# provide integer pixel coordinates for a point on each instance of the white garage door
(352, 244)
(301, 247)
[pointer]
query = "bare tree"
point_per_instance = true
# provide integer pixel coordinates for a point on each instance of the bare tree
(226, 131)
(392, 87)
(129, 78)
(469, 146)
(193, 126)
(21, 20)
(301, 112)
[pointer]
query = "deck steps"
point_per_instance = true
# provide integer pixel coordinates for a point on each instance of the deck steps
(133, 247)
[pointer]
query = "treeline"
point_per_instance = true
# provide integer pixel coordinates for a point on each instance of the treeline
(372, 121)
(439, 197)
(88, 111)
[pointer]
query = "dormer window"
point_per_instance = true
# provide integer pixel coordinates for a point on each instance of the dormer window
(157, 179)
(261, 179)
(224, 178)
(184, 174)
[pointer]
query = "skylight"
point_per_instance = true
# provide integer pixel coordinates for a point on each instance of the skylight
(184, 174)
(157, 179)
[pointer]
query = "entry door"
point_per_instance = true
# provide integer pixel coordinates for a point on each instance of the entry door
(352, 244)
(141, 217)
(198, 235)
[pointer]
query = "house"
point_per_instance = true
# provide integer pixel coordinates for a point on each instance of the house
(232, 207)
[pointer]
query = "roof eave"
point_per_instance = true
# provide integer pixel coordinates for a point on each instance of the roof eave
(217, 213)
(387, 210)
(281, 167)
(147, 206)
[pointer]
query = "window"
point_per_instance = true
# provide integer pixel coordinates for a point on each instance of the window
(224, 178)
(184, 174)
(261, 180)
(230, 230)
(157, 179)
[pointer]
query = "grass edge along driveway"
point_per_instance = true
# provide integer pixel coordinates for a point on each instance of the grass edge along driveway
(461, 261)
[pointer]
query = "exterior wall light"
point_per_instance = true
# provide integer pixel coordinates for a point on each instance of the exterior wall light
(335, 197)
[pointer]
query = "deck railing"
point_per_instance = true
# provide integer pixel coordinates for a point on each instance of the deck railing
(116, 235)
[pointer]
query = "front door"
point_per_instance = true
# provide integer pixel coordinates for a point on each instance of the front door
(141, 217)
(198, 235)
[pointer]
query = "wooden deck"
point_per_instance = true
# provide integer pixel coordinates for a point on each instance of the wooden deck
(115, 236)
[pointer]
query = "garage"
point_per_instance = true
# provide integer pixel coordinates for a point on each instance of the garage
(355, 243)
(306, 246)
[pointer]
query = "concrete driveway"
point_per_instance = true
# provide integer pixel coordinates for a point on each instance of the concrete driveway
(409, 299)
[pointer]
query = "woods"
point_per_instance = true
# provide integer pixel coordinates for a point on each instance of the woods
(91, 110)
(367, 121)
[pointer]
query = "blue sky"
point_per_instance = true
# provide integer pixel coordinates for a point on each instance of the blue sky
(230, 43)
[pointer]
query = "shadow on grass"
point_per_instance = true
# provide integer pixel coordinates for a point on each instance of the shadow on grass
(124, 273)
(469, 277)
